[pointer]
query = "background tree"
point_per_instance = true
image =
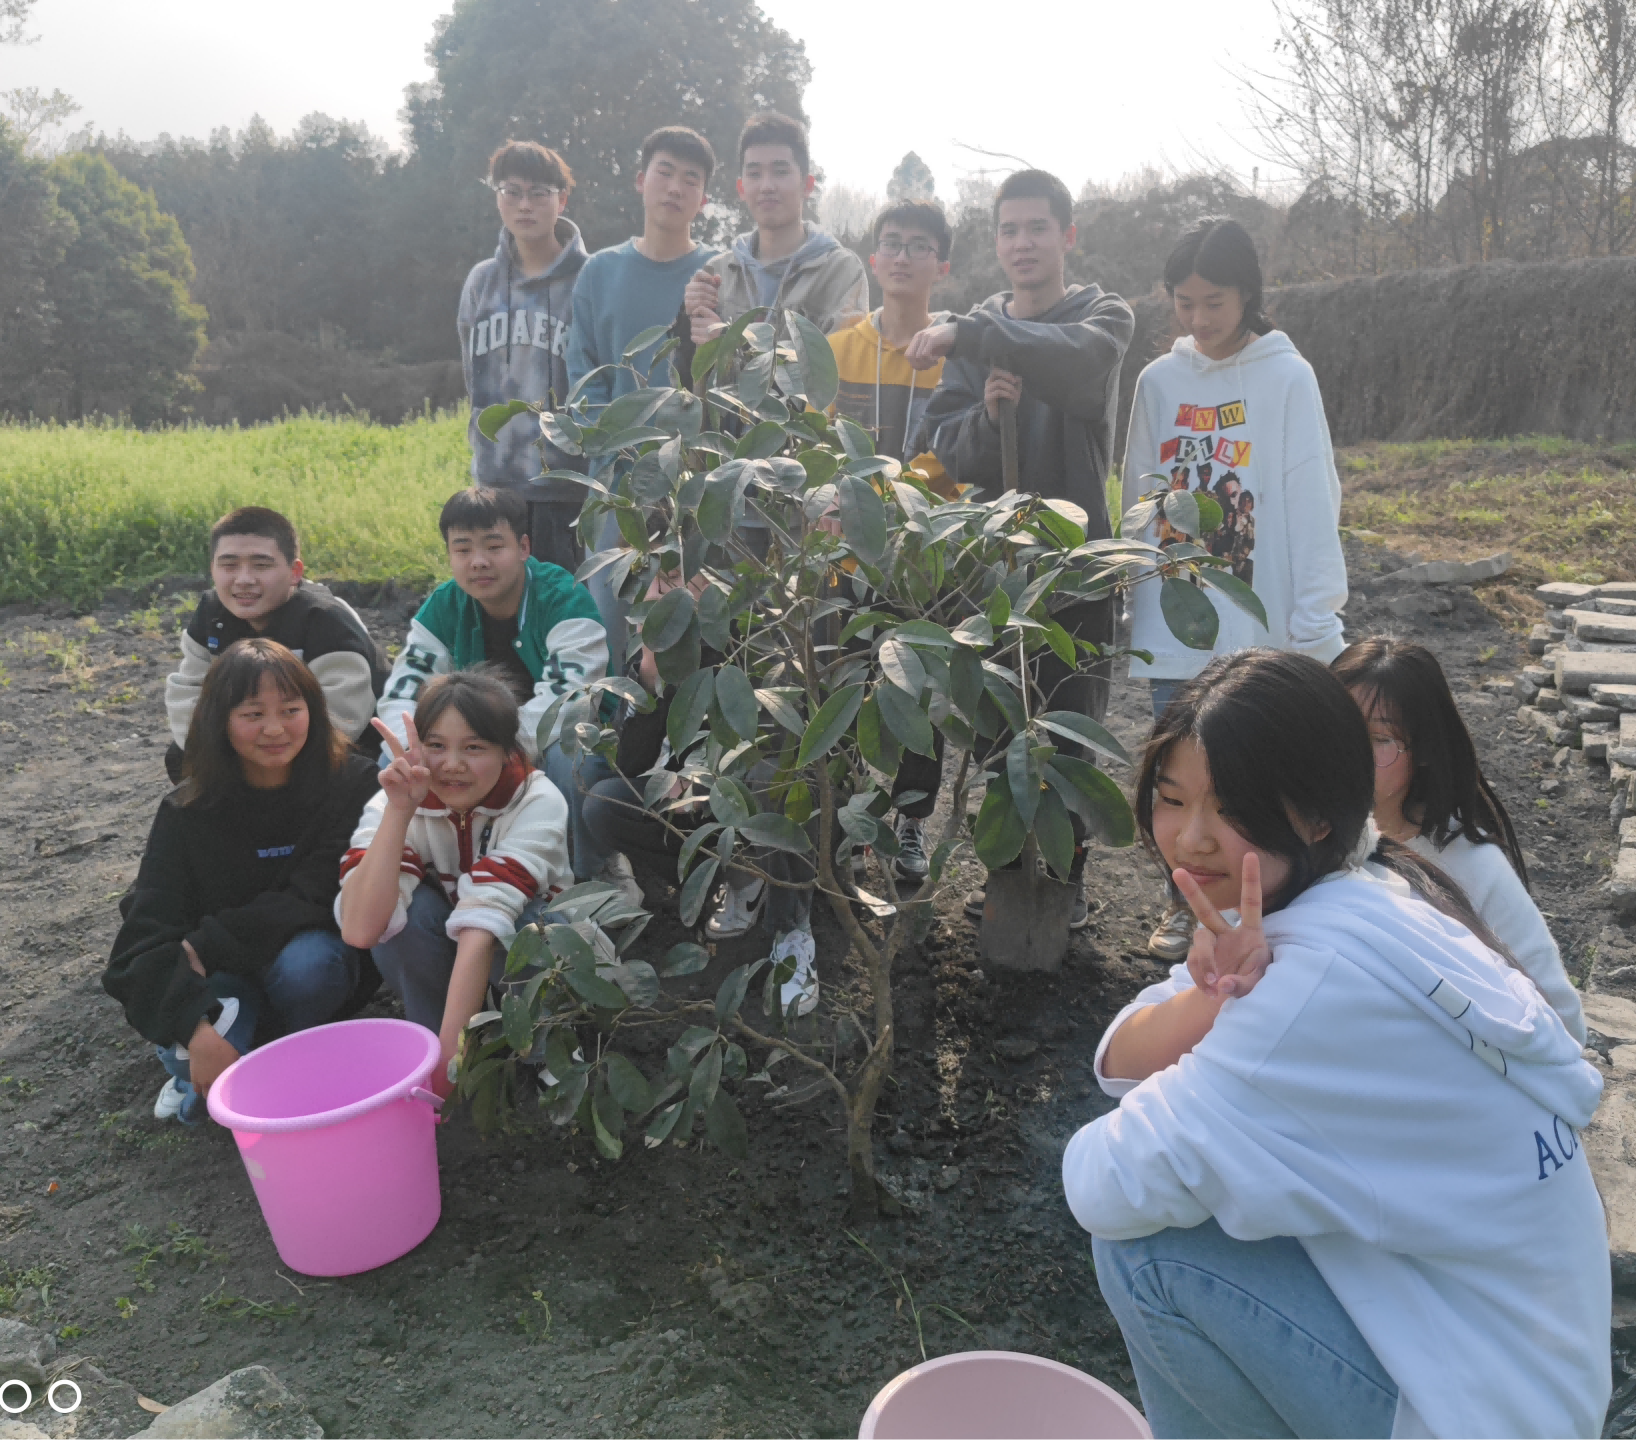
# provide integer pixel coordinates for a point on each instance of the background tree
(912, 180)
(35, 231)
(13, 17)
(590, 78)
(125, 332)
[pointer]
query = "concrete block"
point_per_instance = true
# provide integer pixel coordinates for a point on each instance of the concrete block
(1617, 590)
(1612, 605)
(1577, 671)
(1620, 697)
(1610, 629)
(1562, 593)
(1548, 701)
(1453, 572)
(1589, 712)
(1623, 881)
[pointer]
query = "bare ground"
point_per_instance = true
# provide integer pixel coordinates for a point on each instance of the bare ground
(673, 1293)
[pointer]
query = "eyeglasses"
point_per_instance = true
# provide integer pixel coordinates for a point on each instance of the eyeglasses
(891, 247)
(539, 194)
(1387, 748)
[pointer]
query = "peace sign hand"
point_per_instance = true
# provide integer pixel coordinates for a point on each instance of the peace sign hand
(407, 779)
(1227, 961)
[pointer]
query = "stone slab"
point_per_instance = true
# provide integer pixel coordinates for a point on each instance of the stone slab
(1615, 605)
(1617, 590)
(1609, 1139)
(1578, 670)
(249, 1404)
(1621, 697)
(1562, 593)
(1611, 1015)
(1610, 629)
(1453, 572)
(1622, 884)
(1627, 730)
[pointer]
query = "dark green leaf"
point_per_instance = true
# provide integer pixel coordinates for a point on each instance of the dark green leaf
(528, 948)
(820, 466)
(697, 890)
(651, 336)
(819, 376)
(701, 1089)
(905, 719)
(1113, 820)
(628, 1085)
(1235, 590)
(1061, 643)
(1138, 518)
(688, 707)
(759, 441)
(863, 517)
(966, 681)
(829, 724)
(682, 659)
(667, 619)
(1210, 516)
(639, 981)
(660, 1127)
(607, 1140)
(730, 993)
(494, 417)
(777, 831)
(715, 625)
(738, 701)
(1189, 614)
(1181, 509)
(777, 704)
(855, 440)
(877, 744)
(569, 946)
(720, 350)
(685, 959)
(865, 620)
(725, 1126)
(976, 630)
(1073, 726)
(902, 666)
(594, 990)
(1023, 777)
(999, 608)
(730, 802)
(563, 1099)
(798, 802)
(517, 1023)
(1054, 833)
(998, 833)
(690, 847)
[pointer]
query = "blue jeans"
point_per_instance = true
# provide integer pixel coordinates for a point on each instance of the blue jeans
(417, 962)
(575, 777)
(1240, 1338)
(312, 978)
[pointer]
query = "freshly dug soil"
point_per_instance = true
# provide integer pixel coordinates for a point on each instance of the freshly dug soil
(676, 1292)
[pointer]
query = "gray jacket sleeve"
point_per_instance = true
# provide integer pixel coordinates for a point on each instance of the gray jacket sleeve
(957, 426)
(1065, 365)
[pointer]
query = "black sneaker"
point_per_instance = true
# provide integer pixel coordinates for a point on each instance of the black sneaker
(1079, 915)
(911, 863)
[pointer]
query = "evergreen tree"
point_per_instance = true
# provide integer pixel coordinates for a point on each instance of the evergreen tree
(912, 180)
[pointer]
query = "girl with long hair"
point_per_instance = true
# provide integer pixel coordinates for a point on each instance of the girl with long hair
(1430, 795)
(1343, 1191)
(228, 934)
(1234, 395)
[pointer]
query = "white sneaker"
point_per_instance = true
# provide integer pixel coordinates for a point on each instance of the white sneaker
(169, 1104)
(738, 912)
(616, 871)
(801, 989)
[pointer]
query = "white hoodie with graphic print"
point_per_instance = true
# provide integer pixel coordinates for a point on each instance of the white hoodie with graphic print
(1408, 1107)
(1250, 432)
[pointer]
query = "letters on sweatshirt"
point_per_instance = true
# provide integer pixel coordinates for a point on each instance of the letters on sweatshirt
(1215, 464)
(539, 328)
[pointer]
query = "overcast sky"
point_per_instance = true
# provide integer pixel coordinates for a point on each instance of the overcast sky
(1092, 90)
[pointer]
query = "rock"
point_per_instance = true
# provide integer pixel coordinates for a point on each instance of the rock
(1622, 884)
(1617, 590)
(1015, 1047)
(1594, 625)
(1578, 670)
(947, 1178)
(1623, 1059)
(1523, 690)
(25, 1354)
(1420, 602)
(1620, 697)
(1548, 701)
(1606, 1138)
(20, 1430)
(1589, 710)
(1562, 593)
(249, 1404)
(1595, 746)
(1453, 572)
(1609, 605)
(1538, 638)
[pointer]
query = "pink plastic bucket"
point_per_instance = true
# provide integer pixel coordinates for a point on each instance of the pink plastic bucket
(339, 1139)
(999, 1393)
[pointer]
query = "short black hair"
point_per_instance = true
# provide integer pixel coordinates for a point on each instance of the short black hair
(257, 520)
(1221, 251)
(771, 128)
(480, 508)
(684, 144)
(926, 215)
(531, 162)
(1037, 185)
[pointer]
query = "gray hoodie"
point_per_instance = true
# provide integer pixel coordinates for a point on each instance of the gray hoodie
(1069, 361)
(514, 346)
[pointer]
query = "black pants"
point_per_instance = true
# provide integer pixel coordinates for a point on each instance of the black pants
(551, 535)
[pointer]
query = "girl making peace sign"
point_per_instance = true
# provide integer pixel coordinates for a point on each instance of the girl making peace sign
(1342, 1193)
(464, 844)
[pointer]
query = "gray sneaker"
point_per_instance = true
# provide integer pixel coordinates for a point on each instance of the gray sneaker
(1172, 938)
(911, 863)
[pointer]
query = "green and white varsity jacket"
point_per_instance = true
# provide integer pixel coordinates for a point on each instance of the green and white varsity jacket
(560, 640)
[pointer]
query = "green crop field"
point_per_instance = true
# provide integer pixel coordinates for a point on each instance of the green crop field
(87, 507)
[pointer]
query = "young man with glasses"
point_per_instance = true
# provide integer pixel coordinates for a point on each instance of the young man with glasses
(515, 314)
(882, 392)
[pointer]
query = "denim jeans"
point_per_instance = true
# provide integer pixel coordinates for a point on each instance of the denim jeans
(1240, 1338)
(575, 777)
(312, 978)
(417, 962)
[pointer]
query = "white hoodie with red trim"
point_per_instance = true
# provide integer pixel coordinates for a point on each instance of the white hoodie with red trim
(509, 848)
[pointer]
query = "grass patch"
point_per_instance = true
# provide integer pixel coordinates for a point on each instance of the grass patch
(86, 507)
(1565, 509)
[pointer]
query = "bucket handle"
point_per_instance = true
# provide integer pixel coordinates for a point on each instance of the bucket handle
(419, 1092)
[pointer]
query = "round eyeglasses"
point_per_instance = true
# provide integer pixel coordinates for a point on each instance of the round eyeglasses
(514, 194)
(917, 249)
(1387, 748)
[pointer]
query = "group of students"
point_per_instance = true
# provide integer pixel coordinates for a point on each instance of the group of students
(1342, 1192)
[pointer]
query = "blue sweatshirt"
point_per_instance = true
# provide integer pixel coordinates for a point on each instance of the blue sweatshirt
(621, 293)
